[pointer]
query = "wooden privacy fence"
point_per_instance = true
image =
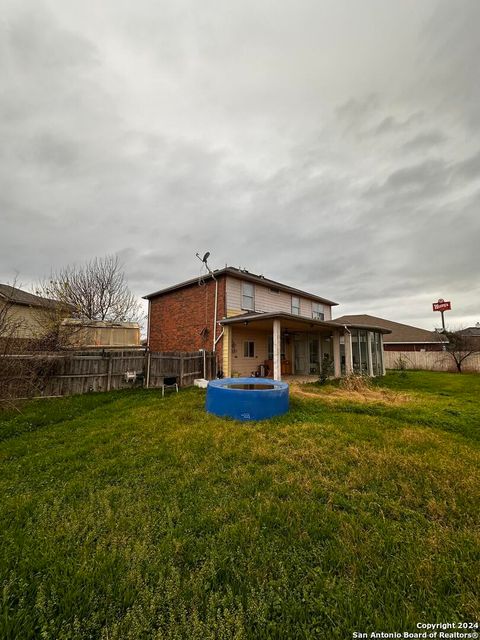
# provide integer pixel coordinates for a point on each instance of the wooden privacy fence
(63, 374)
(429, 361)
(185, 366)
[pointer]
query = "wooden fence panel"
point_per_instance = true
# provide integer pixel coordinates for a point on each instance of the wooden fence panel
(429, 361)
(122, 363)
(61, 374)
(184, 366)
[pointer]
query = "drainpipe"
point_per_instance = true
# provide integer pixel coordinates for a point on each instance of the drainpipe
(148, 322)
(215, 315)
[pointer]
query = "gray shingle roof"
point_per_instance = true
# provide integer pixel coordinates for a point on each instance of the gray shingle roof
(12, 294)
(244, 275)
(400, 332)
(471, 331)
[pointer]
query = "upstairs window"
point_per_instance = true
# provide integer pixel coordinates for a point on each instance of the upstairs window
(317, 311)
(295, 306)
(248, 296)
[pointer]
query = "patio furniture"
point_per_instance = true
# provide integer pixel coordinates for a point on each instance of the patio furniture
(169, 382)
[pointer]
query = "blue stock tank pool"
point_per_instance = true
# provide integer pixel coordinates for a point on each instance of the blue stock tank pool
(247, 398)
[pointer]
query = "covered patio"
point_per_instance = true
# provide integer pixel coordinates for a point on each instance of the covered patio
(282, 344)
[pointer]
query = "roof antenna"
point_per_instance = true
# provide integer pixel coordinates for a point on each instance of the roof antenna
(204, 260)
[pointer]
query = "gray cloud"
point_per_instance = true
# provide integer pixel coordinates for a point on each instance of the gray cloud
(424, 141)
(390, 124)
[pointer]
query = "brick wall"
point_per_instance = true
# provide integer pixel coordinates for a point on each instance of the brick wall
(178, 318)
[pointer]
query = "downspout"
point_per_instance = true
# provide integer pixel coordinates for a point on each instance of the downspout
(148, 323)
(215, 315)
(147, 381)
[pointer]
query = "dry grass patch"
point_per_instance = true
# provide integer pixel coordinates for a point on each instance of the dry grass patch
(365, 395)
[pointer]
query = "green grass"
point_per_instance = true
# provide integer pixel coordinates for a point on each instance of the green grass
(128, 516)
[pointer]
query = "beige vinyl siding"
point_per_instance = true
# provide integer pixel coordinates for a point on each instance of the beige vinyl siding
(305, 307)
(28, 322)
(267, 301)
(227, 352)
(233, 295)
(241, 365)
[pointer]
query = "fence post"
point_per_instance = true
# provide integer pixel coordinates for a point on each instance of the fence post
(181, 370)
(109, 372)
(147, 378)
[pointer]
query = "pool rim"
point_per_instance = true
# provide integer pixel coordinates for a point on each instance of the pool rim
(219, 383)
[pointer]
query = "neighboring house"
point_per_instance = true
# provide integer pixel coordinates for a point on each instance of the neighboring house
(30, 318)
(473, 333)
(257, 326)
(403, 337)
(27, 315)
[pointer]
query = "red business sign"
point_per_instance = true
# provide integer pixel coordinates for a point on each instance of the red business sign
(442, 305)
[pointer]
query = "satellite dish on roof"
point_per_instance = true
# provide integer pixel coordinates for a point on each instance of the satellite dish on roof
(204, 260)
(205, 257)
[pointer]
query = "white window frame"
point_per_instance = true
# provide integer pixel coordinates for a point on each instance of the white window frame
(250, 297)
(246, 348)
(297, 312)
(318, 312)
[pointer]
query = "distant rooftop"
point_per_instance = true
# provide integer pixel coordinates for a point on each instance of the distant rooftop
(471, 331)
(18, 296)
(401, 333)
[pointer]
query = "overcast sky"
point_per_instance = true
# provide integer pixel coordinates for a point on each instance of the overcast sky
(333, 145)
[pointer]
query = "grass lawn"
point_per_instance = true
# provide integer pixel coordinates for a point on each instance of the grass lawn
(127, 516)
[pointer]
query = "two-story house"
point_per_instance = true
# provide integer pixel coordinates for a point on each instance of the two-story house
(257, 325)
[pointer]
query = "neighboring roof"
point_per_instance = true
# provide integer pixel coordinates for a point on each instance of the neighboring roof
(400, 333)
(246, 318)
(471, 331)
(17, 296)
(243, 275)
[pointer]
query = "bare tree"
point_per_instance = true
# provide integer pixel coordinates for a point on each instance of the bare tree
(460, 346)
(96, 290)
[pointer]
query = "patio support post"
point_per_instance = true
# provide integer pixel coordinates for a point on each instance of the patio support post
(277, 368)
(369, 353)
(348, 353)
(381, 355)
(337, 368)
(320, 354)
